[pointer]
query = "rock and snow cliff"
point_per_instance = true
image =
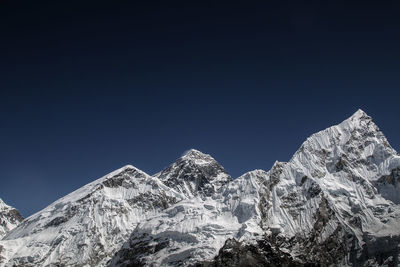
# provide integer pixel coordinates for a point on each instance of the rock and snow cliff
(195, 174)
(336, 202)
(9, 218)
(86, 227)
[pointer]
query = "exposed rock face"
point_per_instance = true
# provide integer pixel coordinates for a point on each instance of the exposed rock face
(9, 218)
(335, 203)
(260, 254)
(195, 174)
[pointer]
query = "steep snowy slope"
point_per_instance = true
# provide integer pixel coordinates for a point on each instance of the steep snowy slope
(195, 229)
(9, 218)
(195, 174)
(352, 162)
(335, 202)
(86, 227)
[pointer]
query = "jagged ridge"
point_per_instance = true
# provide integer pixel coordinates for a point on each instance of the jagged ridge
(335, 202)
(328, 205)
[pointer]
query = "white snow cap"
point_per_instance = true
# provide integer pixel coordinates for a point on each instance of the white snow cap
(197, 156)
(359, 114)
(192, 153)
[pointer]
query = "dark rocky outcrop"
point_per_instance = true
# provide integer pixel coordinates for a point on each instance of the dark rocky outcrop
(261, 254)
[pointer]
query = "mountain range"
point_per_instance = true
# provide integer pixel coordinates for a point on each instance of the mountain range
(336, 202)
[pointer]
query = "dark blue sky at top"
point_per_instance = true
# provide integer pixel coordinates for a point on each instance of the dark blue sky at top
(86, 88)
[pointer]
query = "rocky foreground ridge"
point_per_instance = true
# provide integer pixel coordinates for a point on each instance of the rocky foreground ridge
(335, 203)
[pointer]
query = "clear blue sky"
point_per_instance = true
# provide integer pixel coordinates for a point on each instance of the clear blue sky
(88, 88)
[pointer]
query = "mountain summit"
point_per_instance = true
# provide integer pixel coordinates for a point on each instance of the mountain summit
(335, 203)
(195, 174)
(196, 155)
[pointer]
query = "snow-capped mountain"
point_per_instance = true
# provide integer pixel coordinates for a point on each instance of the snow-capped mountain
(330, 204)
(336, 202)
(86, 227)
(195, 229)
(9, 218)
(195, 174)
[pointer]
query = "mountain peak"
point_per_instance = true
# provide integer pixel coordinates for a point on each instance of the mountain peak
(194, 173)
(354, 136)
(360, 112)
(359, 115)
(197, 157)
(122, 170)
(192, 152)
(359, 121)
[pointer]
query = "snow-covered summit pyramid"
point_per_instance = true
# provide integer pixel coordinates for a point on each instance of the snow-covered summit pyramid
(86, 227)
(335, 201)
(9, 218)
(195, 173)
